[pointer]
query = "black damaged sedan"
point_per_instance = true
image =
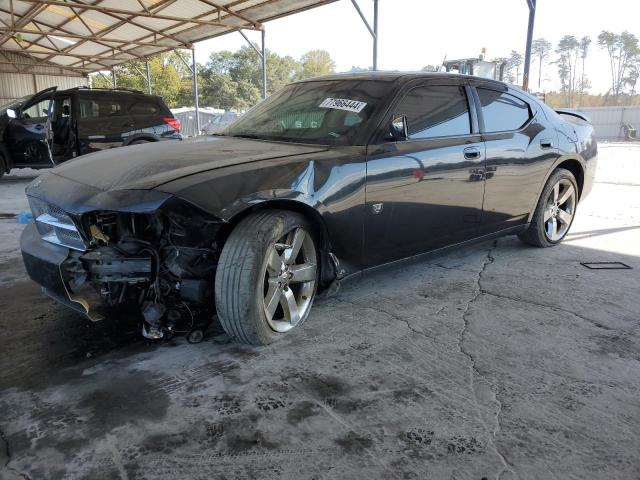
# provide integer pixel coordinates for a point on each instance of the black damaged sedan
(326, 178)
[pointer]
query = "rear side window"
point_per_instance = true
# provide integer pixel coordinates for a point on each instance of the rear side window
(100, 107)
(502, 112)
(144, 107)
(436, 111)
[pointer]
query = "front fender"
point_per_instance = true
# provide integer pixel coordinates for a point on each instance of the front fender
(330, 182)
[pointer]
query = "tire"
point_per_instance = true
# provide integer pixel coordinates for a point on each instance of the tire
(555, 207)
(139, 142)
(267, 276)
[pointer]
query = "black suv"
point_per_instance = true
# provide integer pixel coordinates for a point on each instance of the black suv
(52, 126)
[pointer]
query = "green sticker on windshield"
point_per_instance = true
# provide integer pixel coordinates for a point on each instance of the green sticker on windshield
(343, 104)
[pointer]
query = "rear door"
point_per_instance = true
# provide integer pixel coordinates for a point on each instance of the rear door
(520, 150)
(102, 120)
(425, 192)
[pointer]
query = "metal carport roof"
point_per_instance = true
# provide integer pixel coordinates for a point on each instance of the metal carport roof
(88, 36)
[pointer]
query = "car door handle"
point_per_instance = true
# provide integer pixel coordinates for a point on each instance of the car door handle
(546, 143)
(472, 153)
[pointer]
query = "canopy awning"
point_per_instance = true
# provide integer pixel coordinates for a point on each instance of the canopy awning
(84, 36)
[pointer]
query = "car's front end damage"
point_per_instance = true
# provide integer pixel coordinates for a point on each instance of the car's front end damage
(142, 251)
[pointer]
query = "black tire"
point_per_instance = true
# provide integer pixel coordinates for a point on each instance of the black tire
(535, 234)
(139, 142)
(240, 279)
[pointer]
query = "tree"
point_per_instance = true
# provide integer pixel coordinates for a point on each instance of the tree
(623, 51)
(316, 63)
(514, 62)
(541, 49)
(568, 50)
(431, 68)
(584, 51)
(632, 77)
(233, 80)
(166, 80)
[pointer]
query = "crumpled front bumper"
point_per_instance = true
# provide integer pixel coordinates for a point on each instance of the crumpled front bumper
(43, 262)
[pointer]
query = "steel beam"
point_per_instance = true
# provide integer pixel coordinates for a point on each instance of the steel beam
(264, 68)
(148, 77)
(194, 70)
(527, 53)
(373, 31)
(375, 34)
(263, 56)
(134, 13)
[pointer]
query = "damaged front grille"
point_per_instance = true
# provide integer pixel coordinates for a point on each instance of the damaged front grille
(55, 225)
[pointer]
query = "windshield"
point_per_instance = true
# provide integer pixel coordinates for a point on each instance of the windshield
(332, 112)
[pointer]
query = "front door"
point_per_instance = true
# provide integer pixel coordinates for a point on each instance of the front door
(425, 192)
(26, 134)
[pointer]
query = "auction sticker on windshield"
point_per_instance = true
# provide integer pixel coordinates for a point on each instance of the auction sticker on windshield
(343, 104)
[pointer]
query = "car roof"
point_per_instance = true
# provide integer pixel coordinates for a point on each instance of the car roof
(106, 91)
(396, 76)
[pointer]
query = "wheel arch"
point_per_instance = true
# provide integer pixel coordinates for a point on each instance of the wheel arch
(327, 265)
(143, 136)
(575, 164)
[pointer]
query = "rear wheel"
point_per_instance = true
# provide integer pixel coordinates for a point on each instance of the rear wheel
(267, 277)
(555, 211)
(139, 142)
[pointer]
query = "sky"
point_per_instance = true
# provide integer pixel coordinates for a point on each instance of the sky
(415, 33)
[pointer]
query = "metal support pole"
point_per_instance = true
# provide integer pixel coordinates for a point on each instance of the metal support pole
(375, 36)
(148, 77)
(527, 54)
(373, 31)
(263, 56)
(264, 68)
(194, 70)
(113, 75)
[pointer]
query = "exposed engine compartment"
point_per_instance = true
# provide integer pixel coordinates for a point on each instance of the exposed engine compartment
(161, 264)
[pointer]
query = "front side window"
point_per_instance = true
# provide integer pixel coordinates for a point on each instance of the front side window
(331, 112)
(436, 111)
(39, 110)
(502, 112)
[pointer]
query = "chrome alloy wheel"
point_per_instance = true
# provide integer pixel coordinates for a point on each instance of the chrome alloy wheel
(559, 210)
(290, 276)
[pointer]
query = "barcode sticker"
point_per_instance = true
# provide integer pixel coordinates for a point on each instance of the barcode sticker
(343, 104)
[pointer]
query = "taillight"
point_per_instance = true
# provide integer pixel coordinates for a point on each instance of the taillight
(172, 122)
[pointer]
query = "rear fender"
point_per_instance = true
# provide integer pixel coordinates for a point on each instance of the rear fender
(555, 165)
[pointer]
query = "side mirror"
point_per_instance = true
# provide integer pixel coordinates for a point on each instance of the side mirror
(399, 128)
(11, 113)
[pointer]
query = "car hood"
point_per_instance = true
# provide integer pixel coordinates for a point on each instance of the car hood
(150, 165)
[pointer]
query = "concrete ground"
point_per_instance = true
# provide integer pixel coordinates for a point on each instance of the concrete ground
(495, 361)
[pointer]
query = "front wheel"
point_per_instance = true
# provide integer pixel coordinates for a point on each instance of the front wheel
(555, 211)
(267, 276)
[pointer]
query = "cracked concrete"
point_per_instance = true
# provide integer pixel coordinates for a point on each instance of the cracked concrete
(473, 370)
(496, 361)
